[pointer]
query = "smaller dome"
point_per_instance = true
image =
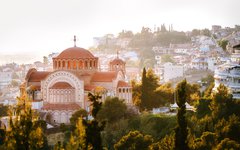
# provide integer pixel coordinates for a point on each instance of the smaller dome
(117, 61)
(75, 53)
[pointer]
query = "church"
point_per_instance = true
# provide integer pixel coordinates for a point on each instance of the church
(75, 73)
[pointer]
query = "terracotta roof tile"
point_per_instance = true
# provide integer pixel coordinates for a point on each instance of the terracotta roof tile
(38, 76)
(71, 106)
(61, 85)
(104, 76)
(123, 84)
(89, 87)
(75, 53)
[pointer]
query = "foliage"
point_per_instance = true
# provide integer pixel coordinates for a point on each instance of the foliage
(88, 132)
(149, 84)
(166, 58)
(192, 93)
(112, 110)
(136, 92)
(223, 44)
(203, 108)
(25, 132)
(208, 91)
(3, 110)
(82, 113)
(134, 140)
(208, 140)
(181, 131)
(228, 144)
(229, 129)
(166, 143)
(221, 103)
(163, 95)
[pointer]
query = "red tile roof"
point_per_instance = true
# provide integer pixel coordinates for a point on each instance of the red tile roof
(71, 106)
(89, 87)
(75, 53)
(104, 76)
(123, 84)
(38, 76)
(61, 85)
(39, 100)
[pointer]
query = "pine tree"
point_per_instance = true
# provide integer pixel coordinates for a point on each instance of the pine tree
(181, 129)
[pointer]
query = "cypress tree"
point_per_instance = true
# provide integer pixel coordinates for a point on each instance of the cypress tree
(181, 129)
(144, 90)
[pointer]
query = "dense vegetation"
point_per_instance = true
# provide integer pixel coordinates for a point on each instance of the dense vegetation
(215, 124)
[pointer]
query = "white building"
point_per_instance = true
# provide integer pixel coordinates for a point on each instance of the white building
(204, 63)
(229, 74)
(171, 71)
(5, 79)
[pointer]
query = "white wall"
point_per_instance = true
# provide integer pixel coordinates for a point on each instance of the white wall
(172, 71)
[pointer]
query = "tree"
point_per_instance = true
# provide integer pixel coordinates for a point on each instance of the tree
(82, 113)
(166, 58)
(228, 144)
(136, 92)
(206, 32)
(163, 95)
(112, 110)
(3, 110)
(144, 96)
(208, 140)
(25, 133)
(195, 32)
(228, 128)
(221, 103)
(223, 44)
(134, 140)
(149, 83)
(166, 143)
(181, 131)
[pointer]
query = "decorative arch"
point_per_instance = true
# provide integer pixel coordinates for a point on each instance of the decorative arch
(64, 76)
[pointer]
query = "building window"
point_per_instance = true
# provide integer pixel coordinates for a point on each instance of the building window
(119, 90)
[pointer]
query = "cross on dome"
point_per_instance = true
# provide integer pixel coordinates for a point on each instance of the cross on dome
(75, 40)
(117, 53)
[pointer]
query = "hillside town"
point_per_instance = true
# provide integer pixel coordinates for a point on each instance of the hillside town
(125, 86)
(192, 55)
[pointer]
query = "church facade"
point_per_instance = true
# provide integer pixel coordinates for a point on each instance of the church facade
(75, 73)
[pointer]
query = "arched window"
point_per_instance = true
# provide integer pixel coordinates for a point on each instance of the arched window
(59, 64)
(80, 65)
(119, 90)
(69, 65)
(86, 64)
(74, 64)
(63, 64)
(123, 90)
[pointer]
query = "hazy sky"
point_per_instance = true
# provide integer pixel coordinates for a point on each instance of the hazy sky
(39, 27)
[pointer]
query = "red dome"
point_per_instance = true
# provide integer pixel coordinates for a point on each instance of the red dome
(117, 61)
(75, 53)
